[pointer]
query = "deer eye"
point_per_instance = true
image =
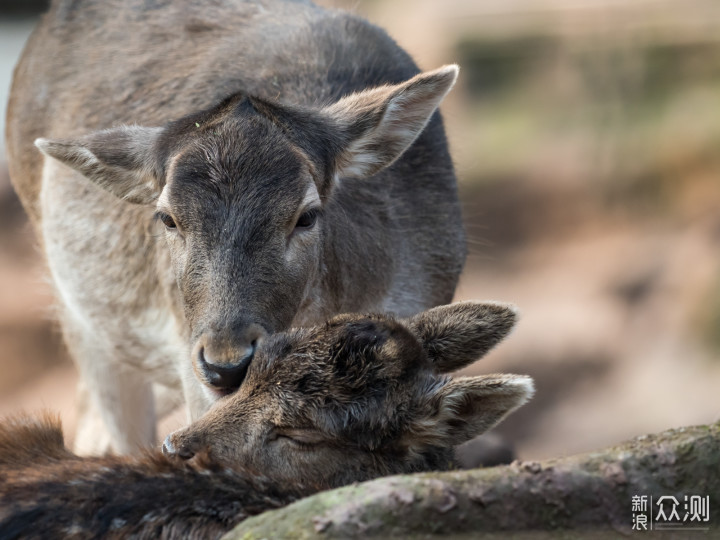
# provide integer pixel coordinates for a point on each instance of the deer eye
(307, 219)
(302, 438)
(167, 220)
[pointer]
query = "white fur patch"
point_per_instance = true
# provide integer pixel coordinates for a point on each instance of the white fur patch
(526, 384)
(63, 289)
(311, 198)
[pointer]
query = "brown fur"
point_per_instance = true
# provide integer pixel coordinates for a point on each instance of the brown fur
(150, 496)
(356, 398)
(294, 155)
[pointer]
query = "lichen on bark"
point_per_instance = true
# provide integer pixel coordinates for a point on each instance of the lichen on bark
(588, 494)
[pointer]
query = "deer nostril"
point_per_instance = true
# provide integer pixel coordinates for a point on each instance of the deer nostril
(211, 375)
(226, 376)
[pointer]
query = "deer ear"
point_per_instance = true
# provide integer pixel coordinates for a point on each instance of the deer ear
(378, 125)
(456, 335)
(120, 160)
(469, 406)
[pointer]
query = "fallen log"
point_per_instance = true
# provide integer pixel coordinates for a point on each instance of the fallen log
(586, 496)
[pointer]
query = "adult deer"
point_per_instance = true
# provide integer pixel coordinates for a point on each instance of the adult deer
(214, 172)
(356, 398)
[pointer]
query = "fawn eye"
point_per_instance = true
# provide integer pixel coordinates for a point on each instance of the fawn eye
(167, 220)
(302, 438)
(307, 219)
(300, 444)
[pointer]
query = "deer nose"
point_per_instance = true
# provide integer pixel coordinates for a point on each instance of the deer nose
(170, 450)
(223, 355)
(223, 375)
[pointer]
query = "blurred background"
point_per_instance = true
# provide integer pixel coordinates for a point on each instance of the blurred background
(586, 135)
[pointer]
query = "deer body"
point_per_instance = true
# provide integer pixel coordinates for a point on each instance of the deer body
(293, 155)
(354, 399)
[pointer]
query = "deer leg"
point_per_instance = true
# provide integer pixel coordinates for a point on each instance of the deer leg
(91, 436)
(116, 408)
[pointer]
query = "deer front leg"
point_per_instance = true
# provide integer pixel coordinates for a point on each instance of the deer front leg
(91, 436)
(116, 408)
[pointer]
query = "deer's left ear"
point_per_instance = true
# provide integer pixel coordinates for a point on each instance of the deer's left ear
(469, 406)
(379, 124)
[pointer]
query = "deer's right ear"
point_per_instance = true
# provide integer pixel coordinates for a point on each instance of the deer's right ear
(456, 335)
(120, 160)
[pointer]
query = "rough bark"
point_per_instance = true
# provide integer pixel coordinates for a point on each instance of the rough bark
(585, 496)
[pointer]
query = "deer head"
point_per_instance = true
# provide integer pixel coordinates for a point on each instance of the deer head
(244, 190)
(362, 396)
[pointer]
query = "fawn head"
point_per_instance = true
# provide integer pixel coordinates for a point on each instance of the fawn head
(361, 397)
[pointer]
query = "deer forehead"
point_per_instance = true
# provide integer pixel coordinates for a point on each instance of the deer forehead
(337, 362)
(246, 171)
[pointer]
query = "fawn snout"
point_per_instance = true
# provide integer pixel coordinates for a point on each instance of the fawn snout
(177, 448)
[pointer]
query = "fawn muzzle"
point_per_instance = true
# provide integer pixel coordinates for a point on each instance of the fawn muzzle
(171, 450)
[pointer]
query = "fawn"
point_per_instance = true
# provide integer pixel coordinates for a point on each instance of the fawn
(353, 399)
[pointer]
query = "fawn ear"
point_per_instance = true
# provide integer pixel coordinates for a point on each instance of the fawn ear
(456, 335)
(469, 406)
(120, 160)
(379, 124)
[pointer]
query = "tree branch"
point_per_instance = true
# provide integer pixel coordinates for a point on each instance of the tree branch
(590, 492)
